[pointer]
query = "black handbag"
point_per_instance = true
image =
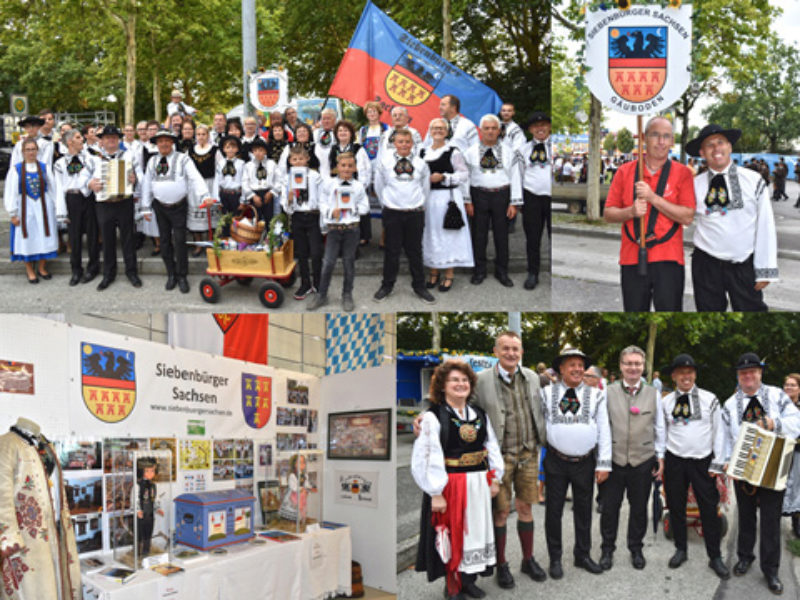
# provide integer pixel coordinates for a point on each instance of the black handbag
(453, 218)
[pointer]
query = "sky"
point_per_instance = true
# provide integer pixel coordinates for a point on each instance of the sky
(787, 26)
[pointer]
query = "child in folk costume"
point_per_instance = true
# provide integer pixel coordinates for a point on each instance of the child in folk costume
(300, 200)
(342, 202)
(29, 199)
(204, 156)
(261, 181)
(228, 176)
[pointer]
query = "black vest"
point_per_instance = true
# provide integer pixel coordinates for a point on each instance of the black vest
(442, 164)
(451, 440)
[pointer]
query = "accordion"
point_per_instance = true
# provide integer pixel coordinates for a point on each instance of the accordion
(114, 177)
(761, 458)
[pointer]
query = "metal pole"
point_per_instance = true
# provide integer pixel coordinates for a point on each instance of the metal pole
(248, 49)
(515, 322)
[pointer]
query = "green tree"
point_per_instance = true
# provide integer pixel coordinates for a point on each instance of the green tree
(610, 143)
(625, 141)
(567, 99)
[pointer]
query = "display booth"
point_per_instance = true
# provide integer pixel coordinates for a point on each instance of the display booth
(190, 475)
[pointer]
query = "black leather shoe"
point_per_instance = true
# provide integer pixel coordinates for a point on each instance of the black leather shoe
(742, 567)
(473, 591)
(382, 293)
(606, 561)
(637, 560)
(104, 284)
(45, 276)
(425, 296)
(587, 564)
(477, 278)
(719, 568)
(774, 584)
(183, 285)
(678, 559)
(532, 281)
(75, 279)
(531, 568)
(134, 279)
(504, 279)
(504, 578)
(171, 282)
(88, 276)
(555, 570)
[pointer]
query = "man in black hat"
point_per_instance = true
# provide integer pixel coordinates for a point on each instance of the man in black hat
(695, 454)
(736, 247)
(664, 198)
(637, 434)
(536, 158)
(117, 210)
(577, 425)
(170, 179)
(770, 408)
(31, 126)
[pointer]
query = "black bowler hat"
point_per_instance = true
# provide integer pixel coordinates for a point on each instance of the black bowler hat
(682, 360)
(110, 130)
(693, 147)
(258, 142)
(31, 120)
(569, 352)
(537, 117)
(749, 360)
(165, 133)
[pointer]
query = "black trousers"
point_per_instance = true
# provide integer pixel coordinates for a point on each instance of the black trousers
(663, 286)
(171, 220)
(308, 245)
(111, 215)
(365, 227)
(263, 212)
(713, 279)
(144, 529)
(403, 232)
(535, 216)
(678, 474)
(636, 482)
(83, 219)
(559, 474)
(749, 499)
(489, 210)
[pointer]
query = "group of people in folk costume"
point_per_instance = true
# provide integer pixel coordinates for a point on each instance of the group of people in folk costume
(439, 195)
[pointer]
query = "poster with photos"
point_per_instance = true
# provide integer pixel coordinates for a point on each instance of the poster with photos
(296, 393)
(224, 449)
(224, 469)
(79, 455)
(265, 455)
(195, 455)
(168, 444)
(84, 494)
(117, 453)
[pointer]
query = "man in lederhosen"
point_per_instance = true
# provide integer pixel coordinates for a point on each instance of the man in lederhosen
(578, 453)
(76, 181)
(117, 211)
(637, 455)
(735, 243)
(695, 449)
(770, 408)
(665, 200)
(169, 180)
(495, 193)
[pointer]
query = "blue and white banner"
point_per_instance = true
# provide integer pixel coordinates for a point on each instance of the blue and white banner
(353, 342)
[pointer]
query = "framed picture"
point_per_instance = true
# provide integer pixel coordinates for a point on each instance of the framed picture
(361, 435)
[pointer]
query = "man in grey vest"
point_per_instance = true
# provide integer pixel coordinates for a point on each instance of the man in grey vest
(637, 455)
(509, 393)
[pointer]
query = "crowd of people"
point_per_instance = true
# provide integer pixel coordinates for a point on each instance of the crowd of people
(479, 442)
(439, 195)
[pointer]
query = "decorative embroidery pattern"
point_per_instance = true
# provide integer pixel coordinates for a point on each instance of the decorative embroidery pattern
(29, 516)
(14, 569)
(555, 409)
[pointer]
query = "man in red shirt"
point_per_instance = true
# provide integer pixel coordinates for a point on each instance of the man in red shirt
(665, 200)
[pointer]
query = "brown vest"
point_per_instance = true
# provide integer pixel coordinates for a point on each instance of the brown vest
(632, 435)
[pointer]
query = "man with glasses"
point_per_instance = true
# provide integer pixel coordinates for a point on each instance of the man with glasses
(664, 198)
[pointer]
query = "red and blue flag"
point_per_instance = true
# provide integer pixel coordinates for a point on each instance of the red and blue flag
(386, 64)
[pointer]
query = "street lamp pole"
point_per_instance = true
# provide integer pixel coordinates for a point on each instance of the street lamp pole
(248, 50)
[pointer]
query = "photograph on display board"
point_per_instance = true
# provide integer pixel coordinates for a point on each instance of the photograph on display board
(243, 469)
(88, 532)
(244, 449)
(224, 449)
(363, 435)
(75, 455)
(16, 377)
(296, 392)
(195, 455)
(313, 421)
(118, 491)
(283, 416)
(117, 453)
(224, 470)
(299, 497)
(168, 444)
(265, 455)
(269, 499)
(282, 471)
(84, 494)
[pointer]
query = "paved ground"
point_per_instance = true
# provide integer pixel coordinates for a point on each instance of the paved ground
(693, 580)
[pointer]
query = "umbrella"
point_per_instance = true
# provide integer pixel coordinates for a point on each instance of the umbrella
(657, 506)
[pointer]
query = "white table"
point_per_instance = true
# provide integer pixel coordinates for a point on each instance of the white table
(316, 566)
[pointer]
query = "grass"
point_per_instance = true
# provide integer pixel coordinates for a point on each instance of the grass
(793, 546)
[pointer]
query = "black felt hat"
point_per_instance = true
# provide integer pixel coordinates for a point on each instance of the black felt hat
(537, 117)
(693, 147)
(682, 360)
(569, 352)
(110, 130)
(31, 120)
(749, 360)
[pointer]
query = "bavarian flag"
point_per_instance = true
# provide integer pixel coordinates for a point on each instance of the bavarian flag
(387, 64)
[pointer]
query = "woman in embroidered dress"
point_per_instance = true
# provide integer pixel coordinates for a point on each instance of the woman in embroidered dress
(791, 499)
(29, 199)
(369, 136)
(444, 249)
(457, 463)
(304, 137)
(203, 155)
